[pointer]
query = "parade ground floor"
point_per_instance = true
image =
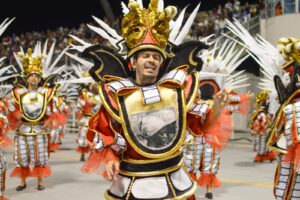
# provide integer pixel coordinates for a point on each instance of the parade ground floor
(241, 178)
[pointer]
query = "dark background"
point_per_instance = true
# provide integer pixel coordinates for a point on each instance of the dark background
(34, 15)
(41, 15)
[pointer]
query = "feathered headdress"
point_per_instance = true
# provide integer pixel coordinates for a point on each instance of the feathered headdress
(147, 28)
(6, 72)
(220, 62)
(40, 61)
(266, 55)
(262, 97)
(151, 28)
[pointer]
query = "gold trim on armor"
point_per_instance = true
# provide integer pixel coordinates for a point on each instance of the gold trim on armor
(273, 129)
(165, 102)
(130, 188)
(27, 151)
(291, 183)
(182, 197)
(16, 100)
(191, 58)
(277, 149)
(170, 184)
(152, 161)
(287, 64)
(100, 68)
(17, 140)
(147, 47)
(194, 134)
(49, 98)
(31, 134)
(107, 107)
(154, 173)
(195, 91)
(116, 135)
(107, 197)
(295, 117)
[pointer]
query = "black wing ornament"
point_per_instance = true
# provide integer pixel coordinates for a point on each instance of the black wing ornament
(108, 64)
(185, 54)
(281, 90)
(51, 80)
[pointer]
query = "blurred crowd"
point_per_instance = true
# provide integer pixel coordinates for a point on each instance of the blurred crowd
(214, 21)
(206, 23)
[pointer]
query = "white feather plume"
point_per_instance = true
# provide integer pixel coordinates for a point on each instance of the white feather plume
(5, 24)
(222, 59)
(186, 28)
(264, 53)
(125, 9)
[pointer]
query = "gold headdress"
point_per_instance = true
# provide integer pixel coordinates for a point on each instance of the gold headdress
(262, 97)
(290, 49)
(31, 65)
(147, 28)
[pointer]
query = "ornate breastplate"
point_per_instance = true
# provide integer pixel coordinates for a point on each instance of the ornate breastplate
(153, 118)
(33, 106)
(154, 130)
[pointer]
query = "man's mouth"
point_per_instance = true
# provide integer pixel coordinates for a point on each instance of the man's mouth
(150, 67)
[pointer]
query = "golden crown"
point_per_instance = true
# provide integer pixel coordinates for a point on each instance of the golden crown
(262, 97)
(289, 48)
(31, 64)
(147, 28)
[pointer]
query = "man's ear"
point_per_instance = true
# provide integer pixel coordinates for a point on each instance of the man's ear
(133, 62)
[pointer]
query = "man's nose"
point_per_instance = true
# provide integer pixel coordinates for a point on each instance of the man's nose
(151, 58)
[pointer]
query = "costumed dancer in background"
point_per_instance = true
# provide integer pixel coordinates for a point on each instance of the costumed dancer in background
(281, 69)
(88, 105)
(239, 102)
(31, 113)
(67, 100)
(66, 111)
(201, 154)
(60, 108)
(5, 141)
(6, 72)
(259, 123)
(139, 131)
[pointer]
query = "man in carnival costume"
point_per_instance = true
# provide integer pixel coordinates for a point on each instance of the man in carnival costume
(201, 153)
(282, 71)
(31, 113)
(152, 86)
(63, 109)
(88, 105)
(284, 132)
(6, 72)
(259, 123)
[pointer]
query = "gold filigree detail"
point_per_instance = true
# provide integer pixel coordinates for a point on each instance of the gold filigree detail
(31, 64)
(140, 23)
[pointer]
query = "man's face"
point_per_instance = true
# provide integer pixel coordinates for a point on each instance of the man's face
(147, 66)
(33, 80)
